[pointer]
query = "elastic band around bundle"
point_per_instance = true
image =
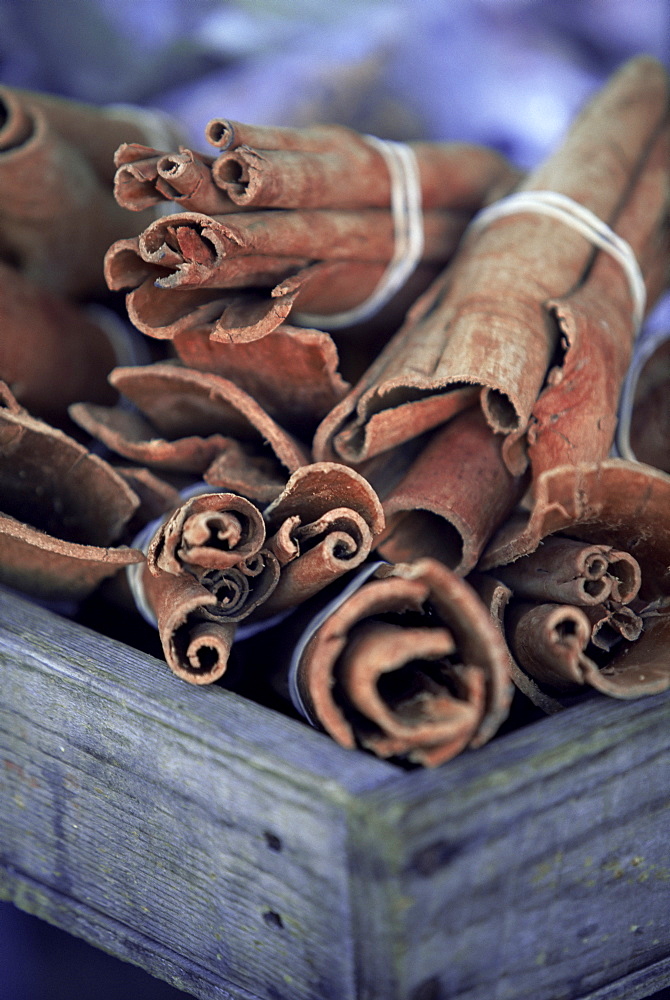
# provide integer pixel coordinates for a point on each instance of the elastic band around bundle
(584, 221)
(314, 625)
(407, 213)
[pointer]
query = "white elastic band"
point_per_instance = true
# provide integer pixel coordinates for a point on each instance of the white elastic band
(584, 221)
(407, 215)
(317, 621)
(128, 344)
(142, 540)
(625, 412)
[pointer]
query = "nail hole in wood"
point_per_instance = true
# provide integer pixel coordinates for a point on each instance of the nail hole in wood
(273, 841)
(273, 919)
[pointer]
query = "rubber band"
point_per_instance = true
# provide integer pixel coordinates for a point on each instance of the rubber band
(316, 622)
(584, 221)
(648, 346)
(129, 348)
(407, 213)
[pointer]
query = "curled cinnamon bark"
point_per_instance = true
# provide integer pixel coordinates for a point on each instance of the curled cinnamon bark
(408, 665)
(269, 263)
(572, 572)
(210, 531)
(292, 373)
(483, 325)
(196, 648)
(620, 508)
(56, 166)
(206, 570)
(575, 416)
(52, 352)
(146, 177)
(64, 510)
(349, 172)
(195, 422)
(320, 527)
(452, 497)
(551, 642)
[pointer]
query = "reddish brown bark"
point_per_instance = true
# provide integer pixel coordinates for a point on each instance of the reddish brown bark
(452, 498)
(195, 422)
(425, 685)
(57, 210)
(320, 527)
(483, 326)
(64, 510)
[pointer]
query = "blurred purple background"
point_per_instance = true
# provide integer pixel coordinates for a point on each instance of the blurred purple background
(506, 73)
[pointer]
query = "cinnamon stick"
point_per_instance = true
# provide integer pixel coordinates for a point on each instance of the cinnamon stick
(63, 510)
(206, 570)
(452, 497)
(322, 261)
(423, 681)
(56, 166)
(320, 527)
(483, 325)
(198, 423)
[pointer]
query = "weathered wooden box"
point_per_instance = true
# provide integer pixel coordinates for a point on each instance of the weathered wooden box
(236, 853)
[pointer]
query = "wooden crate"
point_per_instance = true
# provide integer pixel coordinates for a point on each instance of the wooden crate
(236, 853)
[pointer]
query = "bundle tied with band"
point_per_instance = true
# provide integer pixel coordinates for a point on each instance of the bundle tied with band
(363, 467)
(486, 330)
(326, 227)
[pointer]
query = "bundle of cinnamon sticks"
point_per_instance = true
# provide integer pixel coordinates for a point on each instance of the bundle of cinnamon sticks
(370, 444)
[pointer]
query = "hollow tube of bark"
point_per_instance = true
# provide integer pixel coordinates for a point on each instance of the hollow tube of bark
(484, 325)
(427, 695)
(452, 497)
(320, 527)
(571, 572)
(354, 175)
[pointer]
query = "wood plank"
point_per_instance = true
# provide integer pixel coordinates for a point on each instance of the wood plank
(238, 854)
(536, 867)
(213, 826)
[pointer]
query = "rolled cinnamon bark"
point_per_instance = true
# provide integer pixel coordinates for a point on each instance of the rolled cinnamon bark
(351, 173)
(325, 261)
(195, 422)
(64, 510)
(551, 642)
(56, 166)
(207, 532)
(571, 572)
(575, 416)
(292, 372)
(452, 497)
(483, 326)
(206, 570)
(320, 527)
(617, 503)
(621, 507)
(146, 177)
(410, 665)
(52, 352)
(196, 648)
